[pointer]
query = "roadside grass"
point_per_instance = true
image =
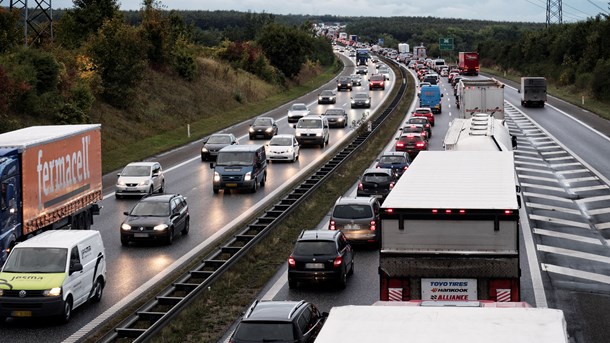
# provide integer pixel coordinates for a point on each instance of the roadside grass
(164, 105)
(570, 94)
(212, 314)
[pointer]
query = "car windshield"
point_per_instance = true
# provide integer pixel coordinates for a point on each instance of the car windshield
(151, 208)
(136, 171)
(309, 124)
(262, 122)
(235, 158)
(334, 111)
(344, 79)
(265, 332)
(37, 260)
(298, 107)
(281, 141)
(219, 140)
(327, 93)
(376, 177)
(392, 160)
(309, 248)
(353, 211)
(361, 96)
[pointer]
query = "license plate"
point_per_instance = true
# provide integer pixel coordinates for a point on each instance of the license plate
(231, 185)
(379, 196)
(21, 313)
(352, 227)
(314, 265)
(140, 235)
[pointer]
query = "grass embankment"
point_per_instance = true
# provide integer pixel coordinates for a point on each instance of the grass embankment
(569, 94)
(208, 318)
(164, 105)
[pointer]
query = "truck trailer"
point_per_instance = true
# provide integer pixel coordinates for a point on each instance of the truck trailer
(480, 96)
(468, 63)
(533, 91)
(419, 51)
(471, 322)
(480, 132)
(403, 48)
(51, 178)
(450, 229)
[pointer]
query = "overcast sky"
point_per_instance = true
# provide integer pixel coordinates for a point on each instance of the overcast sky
(497, 10)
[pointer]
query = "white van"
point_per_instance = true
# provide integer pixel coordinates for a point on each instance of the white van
(312, 130)
(53, 273)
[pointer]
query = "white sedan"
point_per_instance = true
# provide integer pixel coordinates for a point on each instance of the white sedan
(282, 147)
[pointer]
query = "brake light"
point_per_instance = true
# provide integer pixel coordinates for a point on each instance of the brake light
(332, 225)
(420, 145)
(360, 186)
(462, 211)
(434, 211)
(400, 144)
(389, 210)
(391, 185)
(373, 225)
(291, 262)
(338, 261)
(508, 212)
(448, 211)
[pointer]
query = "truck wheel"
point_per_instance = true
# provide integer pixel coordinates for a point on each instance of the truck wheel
(98, 291)
(254, 187)
(64, 317)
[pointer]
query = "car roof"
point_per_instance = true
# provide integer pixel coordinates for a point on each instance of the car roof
(57, 239)
(322, 235)
(299, 104)
(355, 200)
(394, 153)
(264, 118)
(414, 134)
(273, 310)
(361, 94)
(378, 171)
(335, 109)
(222, 134)
(147, 164)
(159, 197)
(241, 148)
(283, 135)
(423, 108)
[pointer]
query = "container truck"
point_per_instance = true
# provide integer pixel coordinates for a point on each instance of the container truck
(51, 178)
(465, 322)
(419, 51)
(480, 96)
(480, 132)
(403, 48)
(430, 96)
(362, 56)
(450, 229)
(468, 63)
(533, 91)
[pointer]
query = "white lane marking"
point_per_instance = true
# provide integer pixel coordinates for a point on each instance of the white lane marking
(529, 158)
(559, 165)
(532, 260)
(552, 152)
(581, 179)
(277, 286)
(560, 158)
(550, 268)
(603, 226)
(533, 185)
(574, 253)
(589, 188)
(549, 147)
(544, 165)
(546, 196)
(558, 221)
(599, 211)
(552, 208)
(594, 199)
(538, 178)
(568, 236)
(521, 152)
(573, 171)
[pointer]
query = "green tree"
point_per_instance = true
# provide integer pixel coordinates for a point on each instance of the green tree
(10, 30)
(286, 47)
(155, 28)
(84, 20)
(120, 59)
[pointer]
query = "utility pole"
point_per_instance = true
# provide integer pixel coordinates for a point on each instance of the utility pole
(554, 12)
(38, 19)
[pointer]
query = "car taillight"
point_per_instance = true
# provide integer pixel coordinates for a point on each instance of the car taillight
(291, 262)
(338, 261)
(360, 186)
(373, 225)
(400, 144)
(406, 167)
(332, 225)
(420, 145)
(391, 185)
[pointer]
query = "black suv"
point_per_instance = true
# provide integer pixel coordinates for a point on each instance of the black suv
(344, 82)
(279, 321)
(376, 182)
(320, 255)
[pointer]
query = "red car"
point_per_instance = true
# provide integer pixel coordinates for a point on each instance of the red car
(424, 112)
(377, 81)
(412, 143)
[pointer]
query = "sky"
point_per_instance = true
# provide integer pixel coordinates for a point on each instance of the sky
(496, 10)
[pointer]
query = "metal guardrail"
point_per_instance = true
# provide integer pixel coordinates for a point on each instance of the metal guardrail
(151, 317)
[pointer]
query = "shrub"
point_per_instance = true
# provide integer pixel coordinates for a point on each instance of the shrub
(600, 83)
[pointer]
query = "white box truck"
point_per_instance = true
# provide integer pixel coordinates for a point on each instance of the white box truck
(480, 96)
(480, 132)
(450, 229)
(533, 91)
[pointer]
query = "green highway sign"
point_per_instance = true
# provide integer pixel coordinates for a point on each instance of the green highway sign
(445, 43)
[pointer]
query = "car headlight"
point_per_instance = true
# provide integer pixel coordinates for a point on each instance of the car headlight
(120, 183)
(204, 149)
(248, 176)
(1, 292)
(298, 134)
(144, 183)
(251, 129)
(353, 101)
(368, 101)
(319, 134)
(125, 227)
(319, 98)
(53, 292)
(269, 129)
(341, 119)
(216, 177)
(160, 227)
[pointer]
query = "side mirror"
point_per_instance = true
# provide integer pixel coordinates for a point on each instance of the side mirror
(518, 91)
(212, 165)
(76, 267)
(294, 126)
(126, 213)
(442, 95)
(118, 174)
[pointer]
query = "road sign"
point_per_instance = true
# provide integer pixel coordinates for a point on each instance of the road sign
(380, 41)
(445, 43)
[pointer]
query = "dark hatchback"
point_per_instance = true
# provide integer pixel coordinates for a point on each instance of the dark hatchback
(279, 321)
(344, 82)
(376, 182)
(214, 143)
(263, 127)
(156, 218)
(396, 160)
(337, 117)
(421, 120)
(320, 256)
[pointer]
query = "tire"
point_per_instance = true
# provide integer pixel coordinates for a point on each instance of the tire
(66, 314)
(216, 190)
(151, 190)
(98, 291)
(170, 238)
(343, 281)
(254, 187)
(124, 241)
(203, 159)
(264, 180)
(294, 157)
(162, 188)
(187, 227)
(351, 271)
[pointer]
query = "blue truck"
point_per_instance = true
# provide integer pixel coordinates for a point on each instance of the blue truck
(430, 96)
(362, 56)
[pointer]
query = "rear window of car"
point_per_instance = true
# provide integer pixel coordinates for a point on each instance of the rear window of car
(420, 120)
(392, 159)
(422, 111)
(376, 177)
(315, 248)
(411, 138)
(265, 332)
(353, 211)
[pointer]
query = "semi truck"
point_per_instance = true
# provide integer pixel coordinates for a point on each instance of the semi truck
(533, 91)
(419, 51)
(50, 178)
(480, 96)
(450, 229)
(456, 322)
(403, 48)
(362, 56)
(468, 63)
(480, 132)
